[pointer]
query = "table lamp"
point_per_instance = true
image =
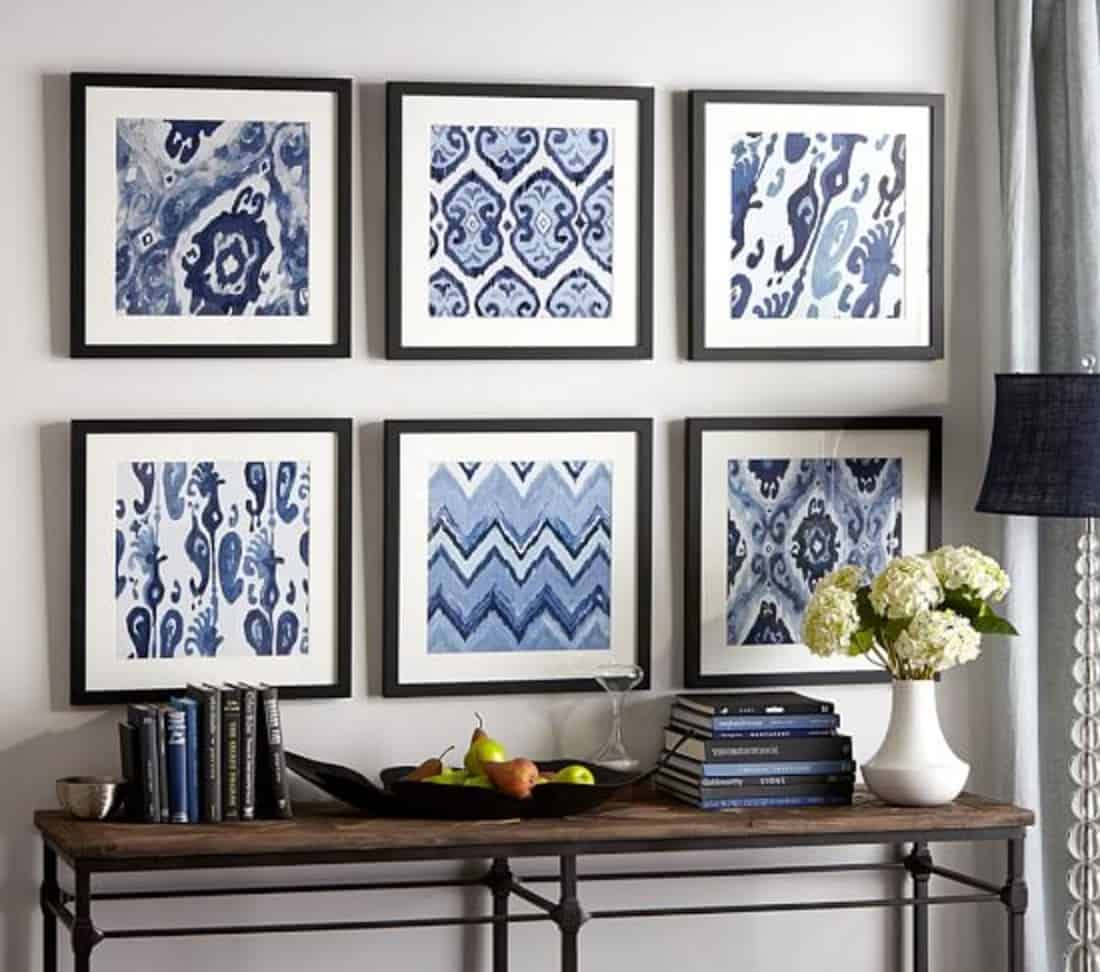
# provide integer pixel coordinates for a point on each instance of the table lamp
(1044, 460)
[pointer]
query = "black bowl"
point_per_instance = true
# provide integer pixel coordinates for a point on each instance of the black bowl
(398, 797)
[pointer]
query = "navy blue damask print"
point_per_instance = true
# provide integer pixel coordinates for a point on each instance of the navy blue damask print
(521, 222)
(212, 558)
(789, 523)
(213, 217)
(817, 225)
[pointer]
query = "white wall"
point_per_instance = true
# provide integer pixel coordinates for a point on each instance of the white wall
(935, 45)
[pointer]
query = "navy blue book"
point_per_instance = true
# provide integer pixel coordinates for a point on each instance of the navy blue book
(754, 703)
(175, 759)
(694, 790)
(722, 725)
(758, 750)
(190, 709)
(144, 719)
(696, 768)
(763, 802)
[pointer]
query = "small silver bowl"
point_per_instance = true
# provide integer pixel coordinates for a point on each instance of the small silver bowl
(90, 797)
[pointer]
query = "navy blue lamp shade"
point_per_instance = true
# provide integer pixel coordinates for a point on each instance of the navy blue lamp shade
(1044, 459)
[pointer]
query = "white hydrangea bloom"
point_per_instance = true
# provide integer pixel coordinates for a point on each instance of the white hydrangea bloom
(959, 567)
(938, 640)
(848, 577)
(830, 621)
(906, 586)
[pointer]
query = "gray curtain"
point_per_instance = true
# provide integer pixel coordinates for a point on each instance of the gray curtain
(1048, 77)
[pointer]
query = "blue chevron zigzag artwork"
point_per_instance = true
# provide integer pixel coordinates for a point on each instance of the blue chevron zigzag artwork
(519, 556)
(521, 221)
(790, 522)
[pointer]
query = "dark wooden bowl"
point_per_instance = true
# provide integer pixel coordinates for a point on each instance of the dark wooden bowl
(398, 797)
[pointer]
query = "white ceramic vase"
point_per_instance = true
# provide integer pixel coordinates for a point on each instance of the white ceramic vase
(914, 766)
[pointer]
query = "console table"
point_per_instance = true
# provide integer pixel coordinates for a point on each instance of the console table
(333, 834)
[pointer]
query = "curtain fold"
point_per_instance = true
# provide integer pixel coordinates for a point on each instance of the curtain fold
(1048, 79)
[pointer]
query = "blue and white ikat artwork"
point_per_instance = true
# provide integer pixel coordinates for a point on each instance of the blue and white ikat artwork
(519, 556)
(817, 225)
(521, 221)
(213, 217)
(790, 522)
(212, 558)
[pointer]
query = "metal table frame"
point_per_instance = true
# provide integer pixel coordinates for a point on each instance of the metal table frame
(74, 908)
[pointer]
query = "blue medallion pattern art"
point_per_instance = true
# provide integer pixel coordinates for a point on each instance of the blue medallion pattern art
(519, 556)
(521, 222)
(792, 521)
(817, 225)
(213, 217)
(212, 558)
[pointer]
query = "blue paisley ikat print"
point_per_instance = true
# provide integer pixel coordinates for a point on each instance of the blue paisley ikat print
(817, 225)
(212, 558)
(519, 556)
(520, 222)
(790, 522)
(213, 217)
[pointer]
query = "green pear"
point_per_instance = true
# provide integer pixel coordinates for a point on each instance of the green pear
(483, 749)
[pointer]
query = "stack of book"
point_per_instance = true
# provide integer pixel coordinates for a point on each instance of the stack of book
(756, 749)
(210, 755)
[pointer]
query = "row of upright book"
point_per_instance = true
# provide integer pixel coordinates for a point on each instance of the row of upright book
(756, 749)
(215, 753)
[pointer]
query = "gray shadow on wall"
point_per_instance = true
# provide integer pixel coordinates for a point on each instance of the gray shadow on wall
(35, 764)
(680, 229)
(372, 193)
(54, 172)
(371, 519)
(54, 477)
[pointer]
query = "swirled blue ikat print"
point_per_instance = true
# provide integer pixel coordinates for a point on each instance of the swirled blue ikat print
(519, 556)
(213, 217)
(212, 558)
(817, 225)
(521, 222)
(790, 522)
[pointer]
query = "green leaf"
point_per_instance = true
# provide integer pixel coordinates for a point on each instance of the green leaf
(964, 602)
(989, 621)
(862, 642)
(867, 616)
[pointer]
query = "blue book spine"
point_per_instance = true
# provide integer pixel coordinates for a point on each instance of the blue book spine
(190, 709)
(747, 803)
(819, 720)
(176, 762)
(779, 769)
(771, 734)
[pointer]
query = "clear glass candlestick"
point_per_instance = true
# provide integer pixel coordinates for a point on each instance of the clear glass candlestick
(617, 681)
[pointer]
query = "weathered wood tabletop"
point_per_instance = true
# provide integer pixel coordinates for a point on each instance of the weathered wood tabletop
(647, 822)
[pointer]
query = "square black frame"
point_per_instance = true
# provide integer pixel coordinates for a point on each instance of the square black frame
(82, 429)
(699, 351)
(696, 427)
(642, 348)
(79, 83)
(392, 686)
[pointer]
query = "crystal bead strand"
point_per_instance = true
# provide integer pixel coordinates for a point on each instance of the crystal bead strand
(1084, 833)
(1083, 841)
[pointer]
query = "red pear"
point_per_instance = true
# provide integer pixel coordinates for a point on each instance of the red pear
(516, 778)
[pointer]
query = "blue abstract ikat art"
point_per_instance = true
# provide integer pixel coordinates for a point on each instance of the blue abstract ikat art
(792, 521)
(521, 222)
(212, 217)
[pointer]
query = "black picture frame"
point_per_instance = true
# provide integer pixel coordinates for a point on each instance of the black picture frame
(83, 429)
(693, 580)
(79, 347)
(395, 430)
(396, 348)
(698, 100)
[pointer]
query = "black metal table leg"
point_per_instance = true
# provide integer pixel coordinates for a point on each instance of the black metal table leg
(499, 880)
(919, 866)
(1014, 896)
(569, 915)
(47, 894)
(85, 934)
